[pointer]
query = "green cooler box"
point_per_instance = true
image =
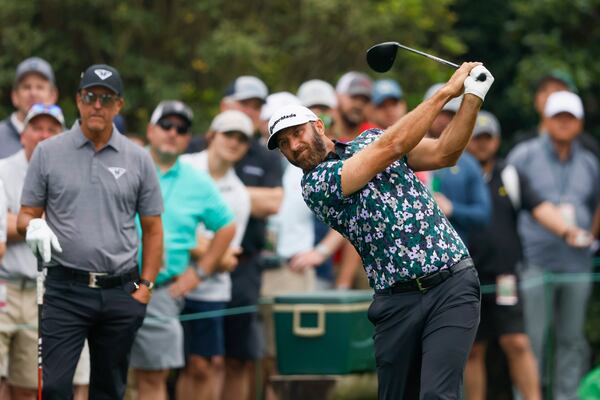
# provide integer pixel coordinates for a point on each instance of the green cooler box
(324, 332)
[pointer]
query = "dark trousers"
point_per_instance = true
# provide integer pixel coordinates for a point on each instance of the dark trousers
(422, 340)
(108, 318)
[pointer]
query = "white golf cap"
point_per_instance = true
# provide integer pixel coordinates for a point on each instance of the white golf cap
(275, 101)
(285, 117)
(247, 87)
(564, 101)
(232, 121)
(317, 93)
(451, 106)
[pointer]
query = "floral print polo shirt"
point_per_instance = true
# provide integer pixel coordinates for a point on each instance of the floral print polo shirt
(393, 221)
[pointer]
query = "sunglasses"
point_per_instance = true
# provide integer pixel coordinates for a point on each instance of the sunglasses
(106, 100)
(167, 125)
(53, 110)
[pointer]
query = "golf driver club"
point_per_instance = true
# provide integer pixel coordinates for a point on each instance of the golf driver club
(381, 57)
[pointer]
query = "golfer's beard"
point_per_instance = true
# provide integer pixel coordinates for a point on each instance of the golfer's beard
(314, 155)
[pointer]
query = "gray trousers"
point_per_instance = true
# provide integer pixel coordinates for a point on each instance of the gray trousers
(422, 340)
(560, 306)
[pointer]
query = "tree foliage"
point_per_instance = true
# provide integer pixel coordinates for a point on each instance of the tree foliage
(192, 49)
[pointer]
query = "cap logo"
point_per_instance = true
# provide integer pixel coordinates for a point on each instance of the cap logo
(279, 120)
(102, 73)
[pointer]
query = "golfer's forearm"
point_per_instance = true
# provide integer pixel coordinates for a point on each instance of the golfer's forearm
(152, 247)
(408, 131)
(26, 214)
(265, 201)
(11, 229)
(332, 241)
(548, 215)
(217, 248)
(457, 134)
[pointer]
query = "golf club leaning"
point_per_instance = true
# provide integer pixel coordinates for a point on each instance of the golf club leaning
(381, 57)
(40, 301)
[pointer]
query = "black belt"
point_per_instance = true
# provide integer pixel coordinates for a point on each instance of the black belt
(97, 280)
(424, 283)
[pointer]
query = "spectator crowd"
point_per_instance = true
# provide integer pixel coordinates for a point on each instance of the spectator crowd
(235, 211)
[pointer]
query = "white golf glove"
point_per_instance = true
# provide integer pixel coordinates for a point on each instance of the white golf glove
(478, 88)
(41, 239)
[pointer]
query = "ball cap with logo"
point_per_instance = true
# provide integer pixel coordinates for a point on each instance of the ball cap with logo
(486, 123)
(51, 110)
(102, 75)
(172, 107)
(284, 118)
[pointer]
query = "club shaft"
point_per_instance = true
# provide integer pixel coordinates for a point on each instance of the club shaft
(440, 60)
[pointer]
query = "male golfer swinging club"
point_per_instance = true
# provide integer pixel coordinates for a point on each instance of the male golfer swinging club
(426, 303)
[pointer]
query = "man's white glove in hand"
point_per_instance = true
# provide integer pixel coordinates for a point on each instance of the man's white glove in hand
(478, 88)
(41, 239)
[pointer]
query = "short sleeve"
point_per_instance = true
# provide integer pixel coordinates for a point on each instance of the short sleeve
(36, 180)
(3, 211)
(215, 212)
(322, 190)
(529, 197)
(518, 157)
(149, 195)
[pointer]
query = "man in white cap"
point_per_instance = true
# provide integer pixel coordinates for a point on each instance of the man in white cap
(497, 253)
(563, 172)
(426, 304)
(204, 373)
(319, 96)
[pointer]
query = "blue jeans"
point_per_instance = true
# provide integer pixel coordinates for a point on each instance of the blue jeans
(561, 305)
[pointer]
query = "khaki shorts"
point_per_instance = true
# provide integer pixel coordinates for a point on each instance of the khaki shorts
(18, 339)
(277, 282)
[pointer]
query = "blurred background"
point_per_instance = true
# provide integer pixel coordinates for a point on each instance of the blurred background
(191, 50)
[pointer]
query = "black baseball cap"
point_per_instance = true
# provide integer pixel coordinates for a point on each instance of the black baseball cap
(102, 75)
(172, 107)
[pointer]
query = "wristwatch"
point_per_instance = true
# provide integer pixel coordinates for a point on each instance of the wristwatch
(200, 272)
(147, 283)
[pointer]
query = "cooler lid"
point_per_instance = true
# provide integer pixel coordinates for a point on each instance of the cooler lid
(326, 297)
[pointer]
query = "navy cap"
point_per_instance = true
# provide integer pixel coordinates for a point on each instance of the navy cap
(386, 89)
(172, 107)
(102, 75)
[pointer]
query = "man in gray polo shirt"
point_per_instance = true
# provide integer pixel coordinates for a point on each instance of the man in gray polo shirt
(561, 171)
(34, 83)
(90, 182)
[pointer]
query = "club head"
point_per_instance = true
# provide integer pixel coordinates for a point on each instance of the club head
(381, 56)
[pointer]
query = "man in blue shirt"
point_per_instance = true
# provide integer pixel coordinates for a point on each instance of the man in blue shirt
(190, 198)
(566, 174)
